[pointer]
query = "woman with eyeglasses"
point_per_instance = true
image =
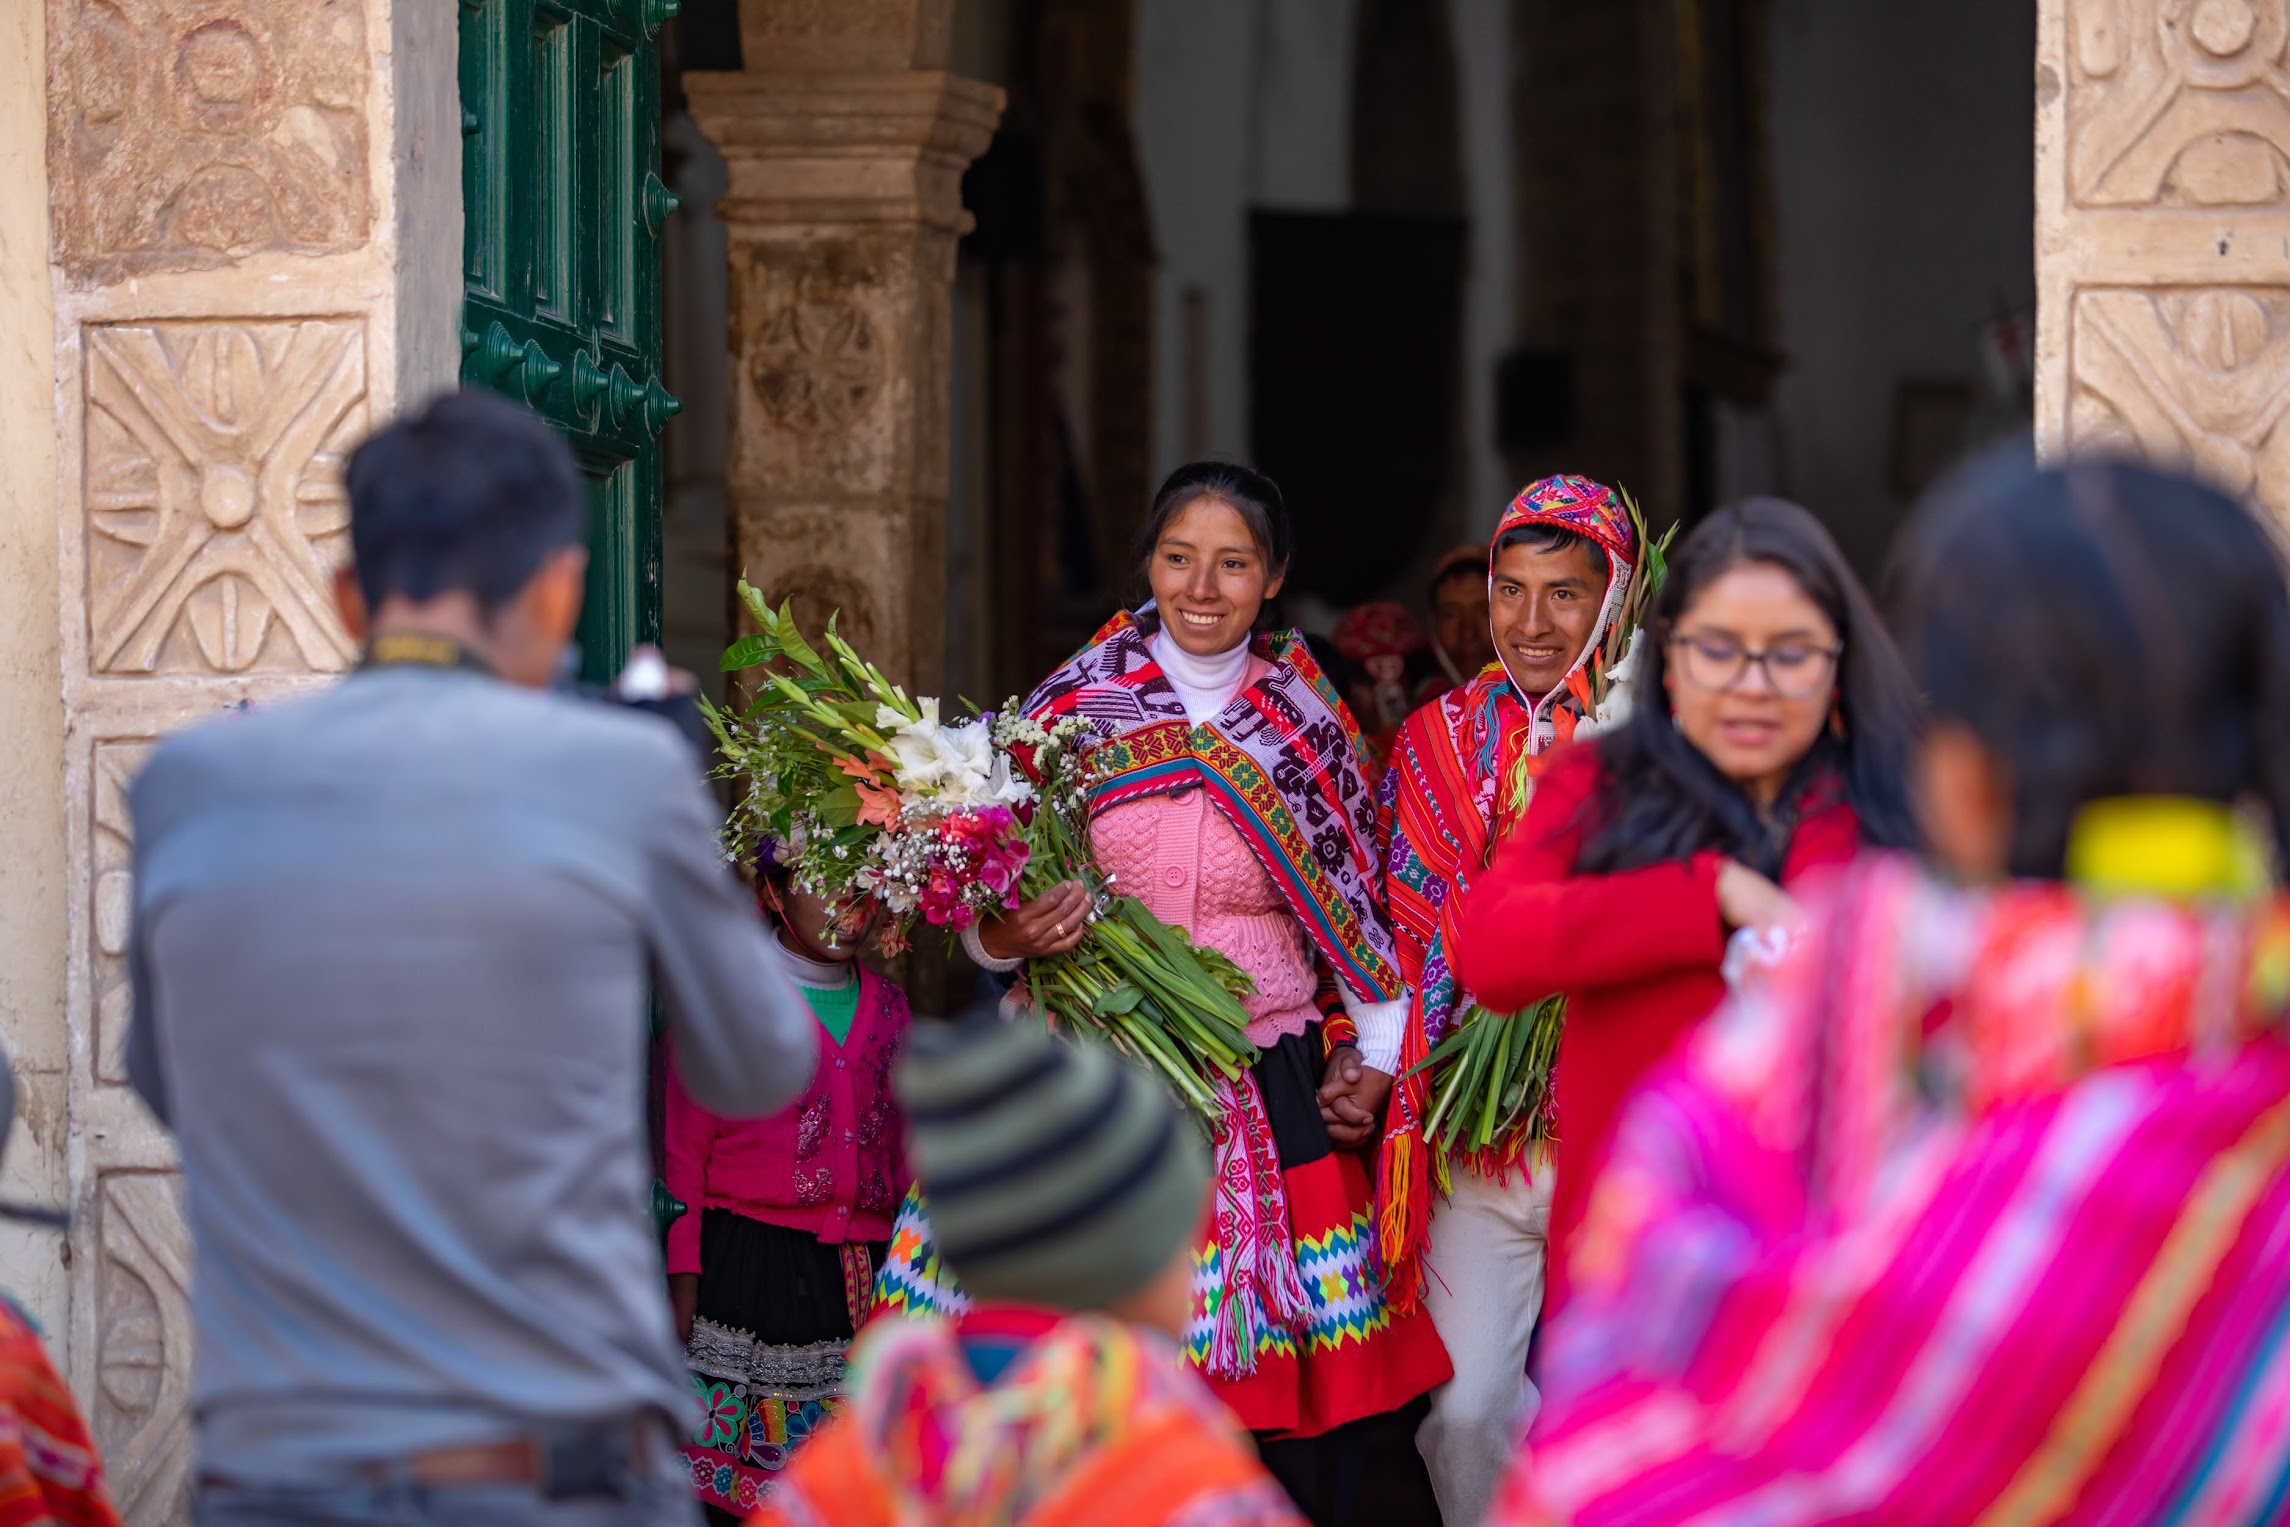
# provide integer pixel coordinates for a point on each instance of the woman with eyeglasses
(1643, 857)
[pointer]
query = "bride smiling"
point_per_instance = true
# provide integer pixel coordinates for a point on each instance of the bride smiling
(1229, 798)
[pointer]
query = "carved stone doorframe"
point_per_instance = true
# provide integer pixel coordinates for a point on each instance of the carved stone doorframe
(254, 254)
(2163, 236)
(254, 242)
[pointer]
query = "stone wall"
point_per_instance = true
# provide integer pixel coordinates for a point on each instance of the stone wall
(2162, 236)
(1238, 107)
(254, 236)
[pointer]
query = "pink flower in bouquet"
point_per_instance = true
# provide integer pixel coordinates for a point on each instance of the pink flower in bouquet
(973, 831)
(995, 850)
(942, 903)
(996, 873)
(998, 870)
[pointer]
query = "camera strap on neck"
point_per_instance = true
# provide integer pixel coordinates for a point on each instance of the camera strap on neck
(421, 649)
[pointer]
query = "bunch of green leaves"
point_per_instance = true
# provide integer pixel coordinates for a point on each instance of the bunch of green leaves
(1491, 1080)
(1637, 600)
(810, 729)
(1142, 985)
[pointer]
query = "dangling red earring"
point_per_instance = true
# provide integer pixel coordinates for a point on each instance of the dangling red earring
(1837, 723)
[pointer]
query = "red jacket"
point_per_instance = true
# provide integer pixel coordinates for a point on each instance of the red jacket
(1636, 955)
(832, 1165)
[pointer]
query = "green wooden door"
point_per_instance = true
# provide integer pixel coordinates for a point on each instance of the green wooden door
(561, 192)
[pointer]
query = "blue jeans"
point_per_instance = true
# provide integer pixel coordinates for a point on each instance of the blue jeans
(659, 1498)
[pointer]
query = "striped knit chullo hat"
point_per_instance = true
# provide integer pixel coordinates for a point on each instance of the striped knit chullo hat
(1057, 1174)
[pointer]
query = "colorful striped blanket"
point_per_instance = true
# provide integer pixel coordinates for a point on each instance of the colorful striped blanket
(1440, 816)
(1979, 1212)
(1281, 763)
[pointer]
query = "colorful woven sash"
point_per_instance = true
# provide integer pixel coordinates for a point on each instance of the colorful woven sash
(1443, 809)
(1281, 763)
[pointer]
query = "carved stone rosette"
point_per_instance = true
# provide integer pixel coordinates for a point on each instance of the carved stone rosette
(844, 207)
(185, 134)
(229, 185)
(2163, 236)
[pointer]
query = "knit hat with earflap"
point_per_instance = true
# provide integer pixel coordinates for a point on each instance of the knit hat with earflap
(1057, 1173)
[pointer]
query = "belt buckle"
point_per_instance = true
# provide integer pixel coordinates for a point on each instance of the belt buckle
(588, 1463)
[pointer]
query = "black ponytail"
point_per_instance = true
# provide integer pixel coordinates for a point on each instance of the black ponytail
(2269, 780)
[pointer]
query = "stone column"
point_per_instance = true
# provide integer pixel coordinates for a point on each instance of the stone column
(254, 242)
(846, 140)
(2163, 236)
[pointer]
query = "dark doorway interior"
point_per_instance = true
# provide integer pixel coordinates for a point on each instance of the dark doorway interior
(1354, 373)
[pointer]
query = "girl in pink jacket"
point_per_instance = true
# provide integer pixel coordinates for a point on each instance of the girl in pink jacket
(770, 1271)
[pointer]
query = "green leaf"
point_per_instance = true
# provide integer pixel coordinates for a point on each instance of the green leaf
(858, 715)
(1121, 999)
(839, 808)
(747, 652)
(752, 600)
(791, 639)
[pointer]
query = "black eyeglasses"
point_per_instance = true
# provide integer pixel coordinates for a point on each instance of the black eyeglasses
(1794, 670)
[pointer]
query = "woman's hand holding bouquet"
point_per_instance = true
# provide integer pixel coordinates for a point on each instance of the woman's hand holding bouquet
(876, 802)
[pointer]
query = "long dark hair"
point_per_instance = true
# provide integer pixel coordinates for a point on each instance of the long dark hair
(1661, 799)
(2104, 629)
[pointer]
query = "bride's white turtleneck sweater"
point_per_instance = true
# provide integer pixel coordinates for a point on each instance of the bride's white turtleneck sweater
(1205, 684)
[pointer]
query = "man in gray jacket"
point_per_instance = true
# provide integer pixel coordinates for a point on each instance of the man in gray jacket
(391, 954)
